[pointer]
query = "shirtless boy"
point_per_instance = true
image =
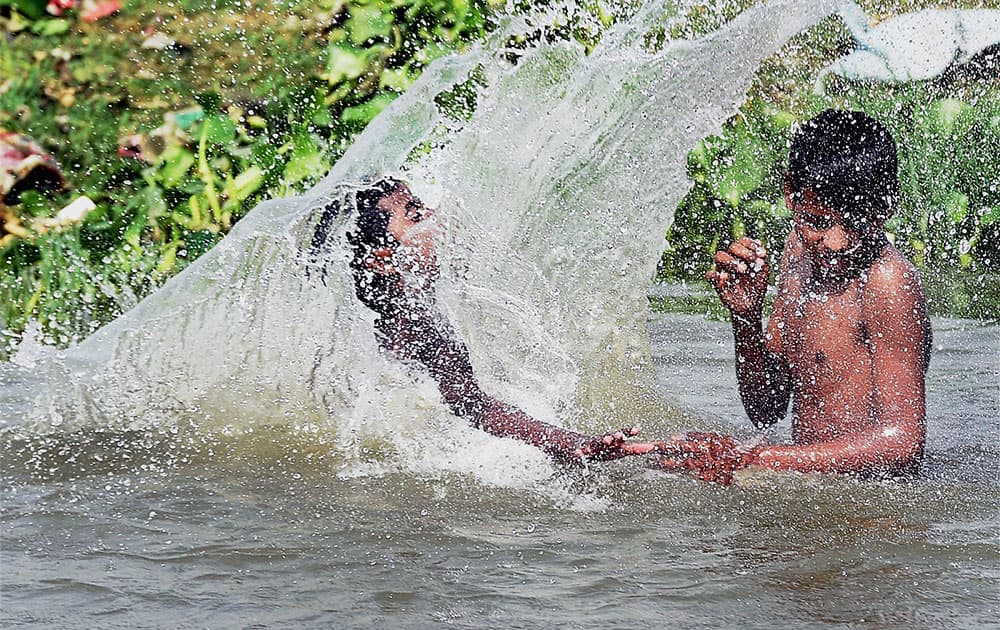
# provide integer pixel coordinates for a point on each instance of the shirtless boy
(394, 267)
(849, 338)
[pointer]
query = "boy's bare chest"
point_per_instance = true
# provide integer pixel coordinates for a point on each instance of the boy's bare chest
(824, 335)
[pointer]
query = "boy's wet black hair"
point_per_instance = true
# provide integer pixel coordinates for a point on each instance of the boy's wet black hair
(848, 159)
(378, 291)
(371, 225)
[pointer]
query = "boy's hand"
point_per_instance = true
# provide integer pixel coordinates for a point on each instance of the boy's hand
(711, 456)
(613, 445)
(740, 278)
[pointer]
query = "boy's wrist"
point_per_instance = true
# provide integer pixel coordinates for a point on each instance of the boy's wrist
(746, 319)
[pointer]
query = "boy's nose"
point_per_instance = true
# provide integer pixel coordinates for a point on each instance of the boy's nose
(835, 239)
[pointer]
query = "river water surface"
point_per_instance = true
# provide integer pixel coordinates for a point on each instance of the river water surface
(117, 530)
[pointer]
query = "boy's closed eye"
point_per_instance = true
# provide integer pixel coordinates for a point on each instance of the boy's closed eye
(818, 221)
(415, 210)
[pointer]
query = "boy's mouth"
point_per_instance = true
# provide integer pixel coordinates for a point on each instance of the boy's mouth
(831, 263)
(838, 260)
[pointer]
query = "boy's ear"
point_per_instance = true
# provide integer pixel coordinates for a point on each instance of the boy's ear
(380, 260)
(788, 195)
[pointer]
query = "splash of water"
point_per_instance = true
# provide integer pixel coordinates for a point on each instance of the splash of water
(554, 195)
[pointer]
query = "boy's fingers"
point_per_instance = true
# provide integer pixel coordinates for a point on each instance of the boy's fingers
(718, 279)
(746, 253)
(611, 438)
(724, 260)
(715, 279)
(753, 245)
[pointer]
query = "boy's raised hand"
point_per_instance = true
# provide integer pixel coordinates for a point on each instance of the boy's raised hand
(740, 277)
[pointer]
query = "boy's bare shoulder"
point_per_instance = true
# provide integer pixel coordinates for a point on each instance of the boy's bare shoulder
(892, 287)
(894, 308)
(891, 270)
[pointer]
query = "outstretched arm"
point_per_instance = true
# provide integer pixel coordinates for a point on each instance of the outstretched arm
(506, 420)
(740, 277)
(434, 345)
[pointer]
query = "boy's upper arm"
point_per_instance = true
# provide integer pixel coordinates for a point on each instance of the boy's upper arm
(896, 317)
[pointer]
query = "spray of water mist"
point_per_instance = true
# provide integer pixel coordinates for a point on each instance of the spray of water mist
(554, 197)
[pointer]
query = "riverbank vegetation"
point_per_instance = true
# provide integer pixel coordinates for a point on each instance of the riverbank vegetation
(176, 118)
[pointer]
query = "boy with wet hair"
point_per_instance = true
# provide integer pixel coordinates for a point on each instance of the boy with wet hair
(849, 339)
(394, 267)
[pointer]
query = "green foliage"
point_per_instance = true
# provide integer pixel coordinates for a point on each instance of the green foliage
(282, 89)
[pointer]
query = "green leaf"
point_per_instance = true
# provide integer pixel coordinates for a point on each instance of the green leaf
(209, 101)
(34, 203)
(306, 161)
(219, 129)
(433, 50)
(363, 114)
(198, 242)
(134, 231)
(50, 28)
(304, 104)
(781, 120)
(367, 23)
(344, 63)
(174, 164)
(397, 79)
(946, 113)
(243, 185)
(265, 155)
(991, 216)
(957, 206)
(762, 209)
(701, 159)
(33, 9)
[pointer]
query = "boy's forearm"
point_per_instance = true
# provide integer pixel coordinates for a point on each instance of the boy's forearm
(762, 379)
(504, 420)
(464, 397)
(882, 450)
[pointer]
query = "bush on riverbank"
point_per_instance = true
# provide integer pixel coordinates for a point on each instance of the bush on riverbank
(176, 119)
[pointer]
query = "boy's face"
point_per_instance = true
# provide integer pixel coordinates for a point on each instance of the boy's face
(835, 242)
(409, 225)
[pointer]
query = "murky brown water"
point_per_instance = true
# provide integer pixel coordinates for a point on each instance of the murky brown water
(120, 530)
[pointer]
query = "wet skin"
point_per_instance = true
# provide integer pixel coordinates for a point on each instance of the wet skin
(848, 342)
(425, 338)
